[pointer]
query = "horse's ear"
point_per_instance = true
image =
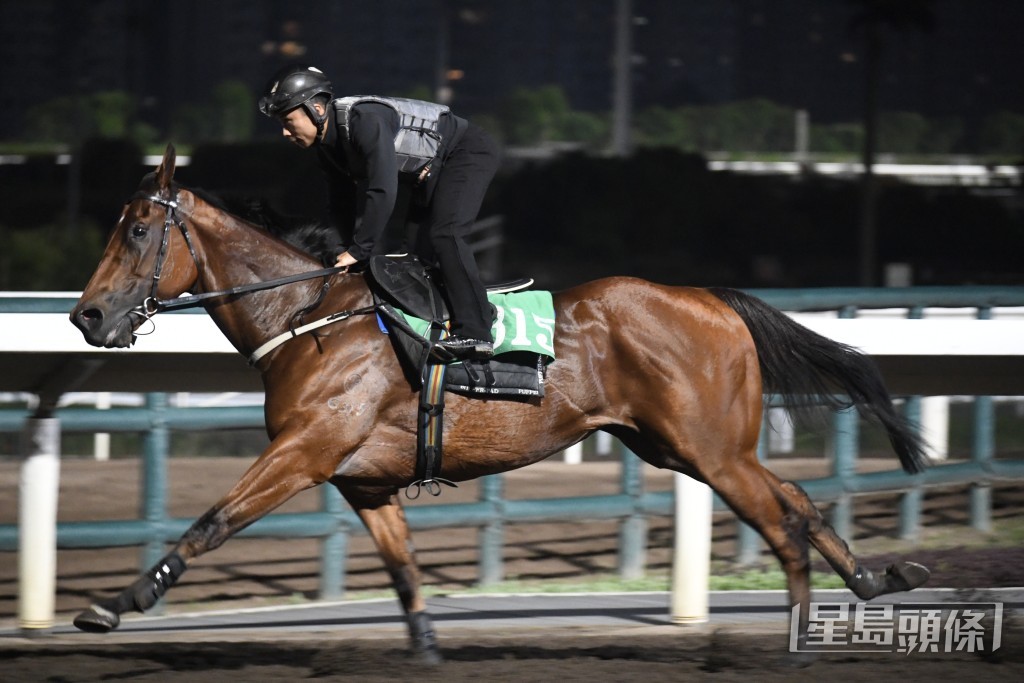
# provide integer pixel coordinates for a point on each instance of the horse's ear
(165, 171)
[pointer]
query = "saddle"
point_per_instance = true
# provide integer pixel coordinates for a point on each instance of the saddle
(404, 289)
(407, 283)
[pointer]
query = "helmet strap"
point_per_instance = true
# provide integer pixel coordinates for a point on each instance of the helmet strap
(318, 120)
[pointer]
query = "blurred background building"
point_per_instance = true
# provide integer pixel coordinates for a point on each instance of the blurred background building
(801, 53)
(667, 135)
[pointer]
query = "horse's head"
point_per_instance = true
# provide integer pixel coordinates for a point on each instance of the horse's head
(147, 257)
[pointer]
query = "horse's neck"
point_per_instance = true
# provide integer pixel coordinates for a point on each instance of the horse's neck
(234, 253)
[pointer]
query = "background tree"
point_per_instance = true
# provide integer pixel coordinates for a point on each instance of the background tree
(48, 258)
(663, 127)
(49, 121)
(112, 113)
(234, 103)
(903, 132)
(532, 116)
(1002, 134)
(229, 116)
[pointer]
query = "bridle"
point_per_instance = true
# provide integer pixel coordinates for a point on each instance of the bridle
(152, 305)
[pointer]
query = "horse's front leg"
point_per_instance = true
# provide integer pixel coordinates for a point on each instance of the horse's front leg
(277, 475)
(382, 513)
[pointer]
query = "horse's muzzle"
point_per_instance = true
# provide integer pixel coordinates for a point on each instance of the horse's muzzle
(102, 329)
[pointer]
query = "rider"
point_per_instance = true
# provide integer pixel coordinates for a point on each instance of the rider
(371, 143)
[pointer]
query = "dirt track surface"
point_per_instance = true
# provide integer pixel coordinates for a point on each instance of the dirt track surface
(248, 572)
(641, 654)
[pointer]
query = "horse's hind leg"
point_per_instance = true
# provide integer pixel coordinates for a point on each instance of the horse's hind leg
(902, 576)
(790, 522)
(382, 513)
(274, 478)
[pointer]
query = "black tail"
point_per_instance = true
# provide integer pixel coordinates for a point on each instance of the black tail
(807, 368)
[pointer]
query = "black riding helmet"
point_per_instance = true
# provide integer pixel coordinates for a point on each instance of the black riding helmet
(294, 86)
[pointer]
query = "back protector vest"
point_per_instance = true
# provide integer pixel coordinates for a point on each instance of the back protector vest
(418, 140)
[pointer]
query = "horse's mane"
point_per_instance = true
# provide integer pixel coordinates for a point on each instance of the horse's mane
(319, 240)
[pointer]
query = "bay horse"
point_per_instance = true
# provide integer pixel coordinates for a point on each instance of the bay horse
(677, 374)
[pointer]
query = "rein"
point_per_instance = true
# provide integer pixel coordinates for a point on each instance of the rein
(153, 305)
(194, 300)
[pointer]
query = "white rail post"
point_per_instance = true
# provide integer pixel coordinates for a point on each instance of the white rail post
(574, 454)
(37, 524)
(935, 425)
(691, 559)
(101, 440)
(781, 432)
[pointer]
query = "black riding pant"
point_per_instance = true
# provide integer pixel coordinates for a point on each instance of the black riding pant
(450, 215)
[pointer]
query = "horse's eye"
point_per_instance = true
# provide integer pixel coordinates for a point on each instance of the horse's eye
(139, 230)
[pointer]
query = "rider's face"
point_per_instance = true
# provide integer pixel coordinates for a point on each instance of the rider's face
(298, 128)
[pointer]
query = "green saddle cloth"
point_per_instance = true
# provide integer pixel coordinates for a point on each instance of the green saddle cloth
(524, 321)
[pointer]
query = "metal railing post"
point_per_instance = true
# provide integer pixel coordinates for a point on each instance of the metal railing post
(845, 443)
(333, 547)
(910, 501)
(748, 541)
(633, 528)
(491, 537)
(982, 450)
(155, 449)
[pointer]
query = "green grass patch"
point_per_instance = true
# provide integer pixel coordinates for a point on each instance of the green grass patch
(748, 579)
(599, 584)
(768, 579)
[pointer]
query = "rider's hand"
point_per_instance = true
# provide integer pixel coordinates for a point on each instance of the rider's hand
(344, 259)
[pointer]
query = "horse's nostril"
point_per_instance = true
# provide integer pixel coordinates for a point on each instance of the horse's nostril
(91, 315)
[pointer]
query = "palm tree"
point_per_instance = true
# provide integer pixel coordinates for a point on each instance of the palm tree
(871, 17)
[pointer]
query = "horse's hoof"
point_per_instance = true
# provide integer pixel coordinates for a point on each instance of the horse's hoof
(97, 619)
(905, 576)
(430, 656)
(423, 639)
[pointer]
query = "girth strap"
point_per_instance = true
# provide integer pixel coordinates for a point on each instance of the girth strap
(430, 423)
(429, 435)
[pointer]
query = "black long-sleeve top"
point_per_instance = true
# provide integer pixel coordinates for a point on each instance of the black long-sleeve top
(363, 177)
